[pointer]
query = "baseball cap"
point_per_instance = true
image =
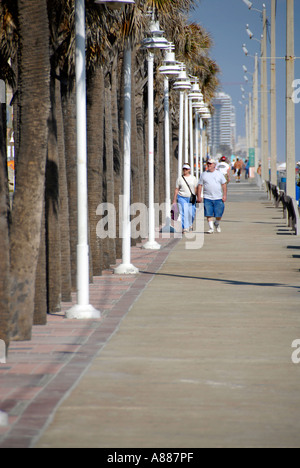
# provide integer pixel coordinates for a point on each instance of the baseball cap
(212, 161)
(186, 166)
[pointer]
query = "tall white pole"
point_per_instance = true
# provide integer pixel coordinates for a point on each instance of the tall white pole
(197, 144)
(180, 140)
(186, 128)
(126, 268)
(83, 310)
(167, 227)
(290, 106)
(151, 244)
(201, 142)
(273, 96)
(247, 125)
(265, 126)
(192, 163)
(255, 111)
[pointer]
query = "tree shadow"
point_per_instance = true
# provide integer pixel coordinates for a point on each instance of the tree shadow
(225, 281)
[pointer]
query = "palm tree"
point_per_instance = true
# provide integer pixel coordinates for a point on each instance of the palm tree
(34, 75)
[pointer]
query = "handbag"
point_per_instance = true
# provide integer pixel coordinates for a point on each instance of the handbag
(174, 212)
(193, 198)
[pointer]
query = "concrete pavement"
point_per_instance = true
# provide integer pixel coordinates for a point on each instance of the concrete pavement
(203, 358)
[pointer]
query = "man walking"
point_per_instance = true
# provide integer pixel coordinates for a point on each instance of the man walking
(238, 166)
(214, 188)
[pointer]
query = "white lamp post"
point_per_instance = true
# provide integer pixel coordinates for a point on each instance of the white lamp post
(182, 84)
(195, 96)
(83, 309)
(290, 105)
(201, 109)
(264, 94)
(169, 69)
(155, 41)
(126, 268)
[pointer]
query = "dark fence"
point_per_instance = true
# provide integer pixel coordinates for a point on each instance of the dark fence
(289, 206)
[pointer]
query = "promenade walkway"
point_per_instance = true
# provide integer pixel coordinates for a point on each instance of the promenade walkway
(203, 357)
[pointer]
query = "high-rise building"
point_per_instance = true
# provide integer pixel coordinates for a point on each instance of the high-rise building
(222, 126)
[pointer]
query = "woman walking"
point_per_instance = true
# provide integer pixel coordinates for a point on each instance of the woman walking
(185, 196)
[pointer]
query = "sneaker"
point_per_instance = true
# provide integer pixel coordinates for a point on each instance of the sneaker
(210, 231)
(185, 231)
(218, 228)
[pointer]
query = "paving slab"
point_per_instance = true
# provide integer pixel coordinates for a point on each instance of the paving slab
(203, 358)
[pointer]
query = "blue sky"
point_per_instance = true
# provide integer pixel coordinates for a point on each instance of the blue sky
(226, 21)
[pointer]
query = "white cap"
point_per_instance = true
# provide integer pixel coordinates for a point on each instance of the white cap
(212, 161)
(186, 166)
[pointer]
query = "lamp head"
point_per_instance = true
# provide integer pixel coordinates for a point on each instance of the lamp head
(249, 4)
(245, 49)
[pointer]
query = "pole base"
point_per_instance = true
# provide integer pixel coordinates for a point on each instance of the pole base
(83, 313)
(126, 269)
(151, 245)
(2, 352)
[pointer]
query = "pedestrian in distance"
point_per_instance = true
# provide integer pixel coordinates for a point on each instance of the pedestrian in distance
(259, 169)
(247, 169)
(224, 167)
(214, 186)
(185, 196)
(239, 164)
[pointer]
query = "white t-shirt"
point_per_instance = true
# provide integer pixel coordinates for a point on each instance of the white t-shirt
(183, 188)
(212, 184)
(223, 167)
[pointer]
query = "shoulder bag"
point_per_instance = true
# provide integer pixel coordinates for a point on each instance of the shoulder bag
(193, 198)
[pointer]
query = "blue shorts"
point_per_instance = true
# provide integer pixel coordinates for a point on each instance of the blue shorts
(213, 208)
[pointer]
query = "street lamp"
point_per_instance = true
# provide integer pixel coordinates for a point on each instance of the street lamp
(169, 69)
(290, 105)
(197, 106)
(83, 309)
(249, 5)
(245, 49)
(182, 84)
(155, 41)
(126, 267)
(264, 93)
(194, 95)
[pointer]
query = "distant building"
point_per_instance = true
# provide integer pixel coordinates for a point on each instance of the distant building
(222, 126)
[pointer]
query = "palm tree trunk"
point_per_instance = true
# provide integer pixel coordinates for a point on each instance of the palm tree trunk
(69, 125)
(117, 66)
(110, 249)
(95, 124)
(4, 239)
(53, 212)
(136, 147)
(65, 254)
(30, 180)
